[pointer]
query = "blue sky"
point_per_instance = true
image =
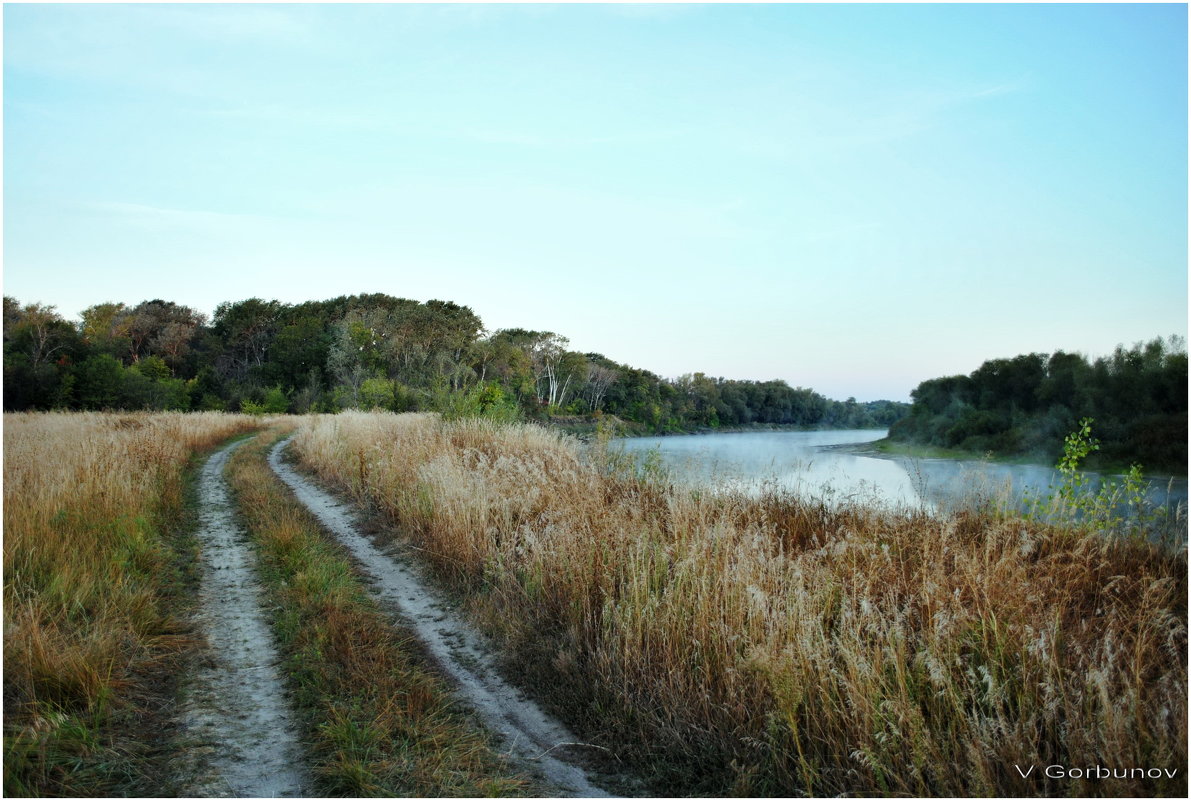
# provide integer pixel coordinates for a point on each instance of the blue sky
(851, 198)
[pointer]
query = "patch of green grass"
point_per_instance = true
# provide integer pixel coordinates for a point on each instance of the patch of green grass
(888, 447)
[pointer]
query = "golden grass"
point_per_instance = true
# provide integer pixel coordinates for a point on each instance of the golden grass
(378, 723)
(89, 600)
(777, 646)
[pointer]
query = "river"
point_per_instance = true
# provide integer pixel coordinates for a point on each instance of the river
(819, 464)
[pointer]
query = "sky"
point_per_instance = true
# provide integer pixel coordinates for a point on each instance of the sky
(852, 198)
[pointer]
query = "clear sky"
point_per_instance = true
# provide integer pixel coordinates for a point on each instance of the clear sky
(850, 198)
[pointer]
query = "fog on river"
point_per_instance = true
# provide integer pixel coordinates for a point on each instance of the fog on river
(813, 463)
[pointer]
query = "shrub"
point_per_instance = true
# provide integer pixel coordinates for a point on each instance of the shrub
(275, 401)
(376, 393)
(1118, 508)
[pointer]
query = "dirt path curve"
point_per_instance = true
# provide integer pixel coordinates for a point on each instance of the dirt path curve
(236, 708)
(530, 735)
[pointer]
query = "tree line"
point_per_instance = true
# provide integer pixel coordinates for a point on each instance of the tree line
(369, 351)
(1136, 397)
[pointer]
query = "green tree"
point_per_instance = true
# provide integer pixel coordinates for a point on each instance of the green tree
(39, 353)
(246, 330)
(104, 329)
(376, 393)
(299, 350)
(158, 328)
(153, 368)
(275, 401)
(100, 382)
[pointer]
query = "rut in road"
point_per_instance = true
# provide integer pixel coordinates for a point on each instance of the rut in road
(236, 710)
(531, 736)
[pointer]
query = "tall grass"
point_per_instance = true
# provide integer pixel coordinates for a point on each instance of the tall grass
(378, 723)
(90, 591)
(772, 645)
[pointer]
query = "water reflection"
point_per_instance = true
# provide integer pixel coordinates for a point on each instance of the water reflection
(813, 464)
(796, 460)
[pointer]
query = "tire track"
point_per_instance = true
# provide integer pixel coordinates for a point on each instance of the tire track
(530, 735)
(237, 709)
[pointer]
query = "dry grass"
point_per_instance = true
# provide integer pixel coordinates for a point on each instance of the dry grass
(378, 723)
(734, 644)
(90, 598)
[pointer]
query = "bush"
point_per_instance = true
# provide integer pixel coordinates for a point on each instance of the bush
(275, 401)
(376, 393)
(249, 407)
(485, 400)
(153, 368)
(99, 382)
(1113, 507)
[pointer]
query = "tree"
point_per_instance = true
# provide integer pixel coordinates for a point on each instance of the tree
(413, 342)
(299, 349)
(501, 357)
(346, 362)
(571, 372)
(545, 350)
(100, 382)
(39, 351)
(601, 375)
(1026, 403)
(275, 401)
(376, 393)
(37, 331)
(153, 368)
(105, 329)
(700, 396)
(159, 328)
(246, 329)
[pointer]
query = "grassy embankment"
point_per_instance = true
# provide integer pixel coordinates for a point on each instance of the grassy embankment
(911, 450)
(733, 644)
(378, 722)
(96, 550)
(889, 447)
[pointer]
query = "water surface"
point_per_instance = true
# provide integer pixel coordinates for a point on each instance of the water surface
(813, 463)
(803, 461)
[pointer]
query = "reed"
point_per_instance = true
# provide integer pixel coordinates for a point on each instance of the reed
(729, 643)
(92, 504)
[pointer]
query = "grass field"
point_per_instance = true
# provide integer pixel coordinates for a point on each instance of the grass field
(718, 643)
(95, 556)
(733, 644)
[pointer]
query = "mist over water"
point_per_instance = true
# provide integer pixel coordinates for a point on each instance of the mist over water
(795, 460)
(807, 463)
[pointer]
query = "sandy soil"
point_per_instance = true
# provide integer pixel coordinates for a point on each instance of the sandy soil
(239, 731)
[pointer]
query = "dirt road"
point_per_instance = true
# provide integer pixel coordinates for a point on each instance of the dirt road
(243, 740)
(530, 735)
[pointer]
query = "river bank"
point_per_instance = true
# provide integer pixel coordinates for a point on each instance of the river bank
(587, 427)
(891, 449)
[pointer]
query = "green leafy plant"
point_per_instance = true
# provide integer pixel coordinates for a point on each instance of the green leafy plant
(275, 401)
(485, 400)
(1077, 446)
(249, 407)
(1114, 507)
